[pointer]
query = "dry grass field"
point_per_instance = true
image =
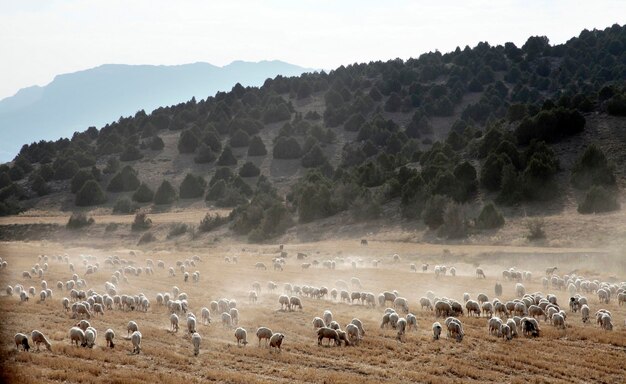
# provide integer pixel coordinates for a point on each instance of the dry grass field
(581, 353)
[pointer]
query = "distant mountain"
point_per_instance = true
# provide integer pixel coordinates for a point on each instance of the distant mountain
(94, 97)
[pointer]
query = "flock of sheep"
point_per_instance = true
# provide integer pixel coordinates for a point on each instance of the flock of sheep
(504, 318)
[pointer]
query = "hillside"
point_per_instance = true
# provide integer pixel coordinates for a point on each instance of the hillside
(74, 101)
(425, 143)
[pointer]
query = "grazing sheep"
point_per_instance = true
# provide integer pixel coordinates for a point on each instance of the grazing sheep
(455, 330)
(276, 341)
(294, 302)
(109, 335)
(264, 333)
(252, 297)
(98, 308)
(39, 338)
(83, 324)
(480, 273)
(81, 309)
(353, 333)
(472, 307)
(401, 327)
(260, 265)
(393, 319)
(327, 333)
(498, 289)
(328, 317)
(132, 327)
(411, 321)
(520, 290)
(195, 340)
(512, 326)
(242, 336)
(191, 324)
(606, 322)
(530, 327)
(234, 316)
(227, 320)
(77, 335)
(283, 300)
(558, 321)
(402, 303)
(621, 298)
(494, 325)
(482, 298)
(205, 315)
(426, 303)
(436, 330)
(174, 322)
(318, 322)
(23, 296)
(443, 309)
(21, 339)
(90, 337)
(136, 340)
(584, 311)
(505, 331)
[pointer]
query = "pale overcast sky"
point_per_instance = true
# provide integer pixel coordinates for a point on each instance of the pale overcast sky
(43, 38)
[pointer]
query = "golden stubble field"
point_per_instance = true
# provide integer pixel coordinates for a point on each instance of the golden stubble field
(582, 353)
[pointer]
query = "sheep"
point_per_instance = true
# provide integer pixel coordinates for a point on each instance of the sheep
(327, 333)
(442, 309)
(334, 325)
(195, 340)
(604, 295)
(21, 339)
(472, 307)
(136, 340)
(264, 333)
(98, 308)
(39, 338)
(77, 335)
(558, 321)
(401, 327)
(535, 311)
(393, 319)
(584, 311)
(260, 265)
(455, 329)
(520, 290)
(480, 273)
(411, 321)
(81, 309)
(530, 327)
(109, 335)
(294, 302)
(227, 320)
(482, 298)
(402, 303)
(283, 300)
(191, 324)
(242, 336)
(494, 326)
(621, 298)
(83, 324)
(353, 333)
(276, 341)
(606, 322)
(252, 297)
(205, 315)
(426, 303)
(234, 316)
(23, 296)
(512, 326)
(328, 317)
(318, 322)
(132, 327)
(90, 337)
(271, 286)
(174, 322)
(436, 330)
(505, 331)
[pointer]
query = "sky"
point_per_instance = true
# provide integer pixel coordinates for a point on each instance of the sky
(43, 38)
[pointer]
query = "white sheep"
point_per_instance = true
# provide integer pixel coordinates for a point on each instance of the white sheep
(505, 331)
(436, 330)
(402, 303)
(353, 333)
(227, 320)
(132, 327)
(39, 338)
(411, 321)
(283, 300)
(195, 340)
(276, 341)
(205, 316)
(242, 336)
(77, 335)
(234, 316)
(295, 302)
(584, 311)
(21, 339)
(264, 333)
(90, 337)
(328, 317)
(252, 297)
(401, 327)
(109, 335)
(191, 324)
(136, 340)
(558, 321)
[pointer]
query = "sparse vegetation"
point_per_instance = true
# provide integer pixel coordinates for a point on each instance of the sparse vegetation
(141, 223)
(90, 194)
(210, 222)
(177, 229)
(124, 206)
(490, 217)
(79, 220)
(598, 200)
(535, 227)
(165, 194)
(147, 237)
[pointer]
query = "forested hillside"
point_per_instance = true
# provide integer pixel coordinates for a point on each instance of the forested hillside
(487, 127)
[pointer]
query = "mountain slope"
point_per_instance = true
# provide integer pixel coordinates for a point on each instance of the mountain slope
(74, 101)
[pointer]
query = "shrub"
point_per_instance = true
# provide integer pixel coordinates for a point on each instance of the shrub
(90, 194)
(131, 153)
(16, 172)
(354, 122)
(314, 157)
(240, 139)
(67, 170)
(111, 227)
(592, 168)
(550, 125)
(124, 181)
(598, 200)
(79, 179)
(141, 222)
(188, 142)
(79, 220)
(249, 170)
(146, 238)
(39, 186)
(165, 194)
(5, 179)
(227, 158)
(454, 222)
(535, 227)
(113, 165)
(617, 105)
(204, 155)
(433, 211)
(256, 147)
(210, 222)
(286, 148)
(490, 217)
(143, 194)
(177, 229)
(156, 144)
(192, 187)
(124, 207)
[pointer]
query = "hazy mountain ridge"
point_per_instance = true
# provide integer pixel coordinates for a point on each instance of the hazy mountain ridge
(93, 97)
